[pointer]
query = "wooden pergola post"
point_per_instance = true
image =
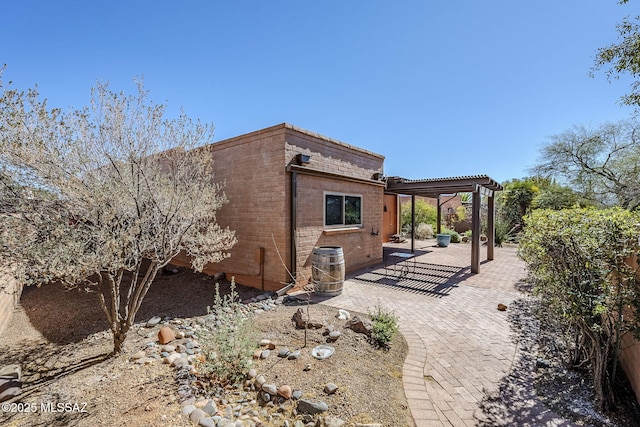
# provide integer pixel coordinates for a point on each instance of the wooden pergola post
(439, 217)
(475, 231)
(413, 224)
(491, 228)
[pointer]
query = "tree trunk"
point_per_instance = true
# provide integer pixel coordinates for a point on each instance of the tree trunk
(118, 341)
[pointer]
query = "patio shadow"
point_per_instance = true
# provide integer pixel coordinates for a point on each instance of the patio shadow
(417, 277)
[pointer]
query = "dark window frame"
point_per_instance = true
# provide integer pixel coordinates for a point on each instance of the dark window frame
(346, 202)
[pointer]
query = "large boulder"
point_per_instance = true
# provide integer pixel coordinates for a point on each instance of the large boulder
(302, 322)
(361, 326)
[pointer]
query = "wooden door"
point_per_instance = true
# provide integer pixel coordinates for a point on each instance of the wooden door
(389, 217)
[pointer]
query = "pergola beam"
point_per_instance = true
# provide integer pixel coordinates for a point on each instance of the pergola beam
(478, 186)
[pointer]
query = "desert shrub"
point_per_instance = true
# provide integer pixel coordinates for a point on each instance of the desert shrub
(229, 347)
(578, 263)
(503, 232)
(425, 212)
(455, 236)
(424, 231)
(385, 326)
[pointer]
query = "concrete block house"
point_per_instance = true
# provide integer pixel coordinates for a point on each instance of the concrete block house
(290, 190)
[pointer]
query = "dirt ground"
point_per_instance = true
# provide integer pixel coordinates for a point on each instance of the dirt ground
(61, 340)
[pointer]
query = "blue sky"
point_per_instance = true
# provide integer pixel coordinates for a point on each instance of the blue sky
(440, 88)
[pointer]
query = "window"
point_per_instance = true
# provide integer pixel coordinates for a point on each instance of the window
(342, 210)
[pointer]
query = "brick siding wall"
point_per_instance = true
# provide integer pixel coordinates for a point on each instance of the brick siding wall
(361, 246)
(253, 168)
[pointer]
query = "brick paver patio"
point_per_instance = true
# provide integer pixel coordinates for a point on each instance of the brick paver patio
(460, 345)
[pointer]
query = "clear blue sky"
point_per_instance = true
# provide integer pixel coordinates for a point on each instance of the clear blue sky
(441, 88)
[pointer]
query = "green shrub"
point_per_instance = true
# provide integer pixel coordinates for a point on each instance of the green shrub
(455, 236)
(577, 263)
(229, 347)
(424, 231)
(425, 212)
(385, 326)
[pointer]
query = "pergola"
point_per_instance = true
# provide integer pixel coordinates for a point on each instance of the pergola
(479, 185)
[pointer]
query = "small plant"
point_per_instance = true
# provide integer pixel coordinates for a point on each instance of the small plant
(424, 231)
(385, 326)
(228, 349)
(455, 236)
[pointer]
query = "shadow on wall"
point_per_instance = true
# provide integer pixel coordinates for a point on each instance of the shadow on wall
(64, 316)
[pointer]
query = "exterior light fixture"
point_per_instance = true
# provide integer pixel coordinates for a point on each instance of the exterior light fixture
(302, 159)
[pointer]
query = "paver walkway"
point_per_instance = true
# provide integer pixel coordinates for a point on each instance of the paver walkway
(459, 343)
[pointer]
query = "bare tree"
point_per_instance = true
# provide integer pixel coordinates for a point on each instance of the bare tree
(602, 164)
(106, 196)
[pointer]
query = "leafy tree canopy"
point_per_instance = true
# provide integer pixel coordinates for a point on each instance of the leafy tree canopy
(601, 164)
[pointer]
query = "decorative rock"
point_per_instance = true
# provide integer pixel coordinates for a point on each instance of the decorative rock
(180, 362)
(343, 315)
(138, 355)
(210, 408)
(309, 407)
(171, 358)
(283, 352)
(166, 335)
(502, 307)
(206, 422)
(300, 319)
(333, 422)
(265, 354)
(188, 409)
(294, 355)
(361, 326)
(257, 353)
(196, 415)
(145, 360)
(252, 373)
(270, 388)
(285, 391)
(330, 388)
(334, 335)
(169, 348)
(260, 380)
(219, 275)
(307, 368)
(297, 394)
(265, 342)
(266, 397)
(153, 321)
(10, 382)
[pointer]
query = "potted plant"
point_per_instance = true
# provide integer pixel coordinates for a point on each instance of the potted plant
(443, 239)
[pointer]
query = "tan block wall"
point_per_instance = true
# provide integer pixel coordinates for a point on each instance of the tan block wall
(361, 247)
(630, 361)
(251, 167)
(10, 291)
(258, 186)
(333, 156)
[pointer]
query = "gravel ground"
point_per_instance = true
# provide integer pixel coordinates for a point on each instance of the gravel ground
(540, 390)
(60, 339)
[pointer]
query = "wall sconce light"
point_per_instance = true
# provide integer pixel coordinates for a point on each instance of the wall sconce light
(302, 159)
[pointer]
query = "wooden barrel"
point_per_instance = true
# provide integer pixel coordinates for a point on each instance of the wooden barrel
(327, 270)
